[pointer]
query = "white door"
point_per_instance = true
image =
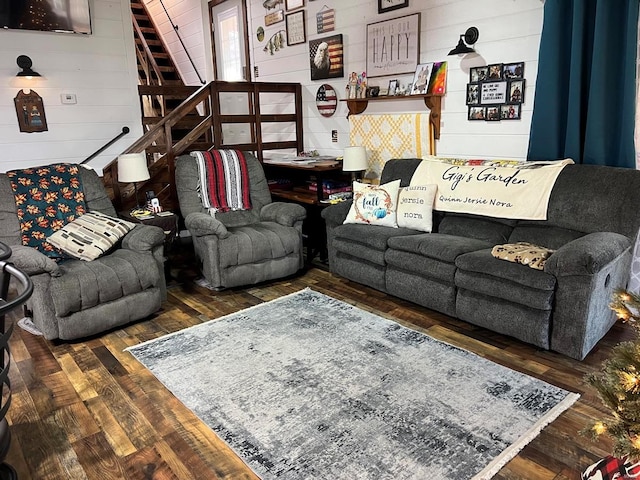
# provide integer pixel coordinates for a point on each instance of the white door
(228, 27)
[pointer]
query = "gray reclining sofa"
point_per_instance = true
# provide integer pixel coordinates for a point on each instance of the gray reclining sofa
(592, 221)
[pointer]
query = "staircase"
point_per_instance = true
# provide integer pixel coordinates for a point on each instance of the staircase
(161, 90)
(155, 65)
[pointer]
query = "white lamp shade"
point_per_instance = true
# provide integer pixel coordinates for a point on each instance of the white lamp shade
(132, 167)
(354, 159)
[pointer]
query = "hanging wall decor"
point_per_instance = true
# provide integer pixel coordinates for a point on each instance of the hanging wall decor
(274, 17)
(325, 20)
(326, 100)
(296, 32)
(393, 46)
(496, 92)
(30, 111)
(326, 57)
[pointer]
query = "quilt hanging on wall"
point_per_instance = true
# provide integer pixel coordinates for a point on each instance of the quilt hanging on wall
(389, 136)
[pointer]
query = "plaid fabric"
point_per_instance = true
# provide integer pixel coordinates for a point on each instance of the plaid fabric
(224, 180)
(612, 468)
(47, 198)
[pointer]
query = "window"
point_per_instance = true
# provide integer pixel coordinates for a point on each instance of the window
(230, 51)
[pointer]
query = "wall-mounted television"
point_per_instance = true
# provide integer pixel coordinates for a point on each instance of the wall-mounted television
(69, 16)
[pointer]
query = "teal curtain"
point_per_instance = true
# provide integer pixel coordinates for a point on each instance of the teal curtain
(585, 90)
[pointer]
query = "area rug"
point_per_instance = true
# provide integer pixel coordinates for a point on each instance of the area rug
(310, 387)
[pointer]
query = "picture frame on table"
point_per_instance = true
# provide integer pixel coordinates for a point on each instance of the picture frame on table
(473, 93)
(421, 79)
(478, 74)
(513, 71)
(510, 112)
(295, 25)
(393, 86)
(477, 113)
(293, 4)
(390, 5)
(516, 91)
(380, 35)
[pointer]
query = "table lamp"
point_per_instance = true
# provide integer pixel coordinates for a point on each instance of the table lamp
(132, 168)
(354, 160)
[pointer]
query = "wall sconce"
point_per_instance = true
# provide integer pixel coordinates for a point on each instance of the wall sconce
(354, 160)
(470, 37)
(25, 64)
(132, 168)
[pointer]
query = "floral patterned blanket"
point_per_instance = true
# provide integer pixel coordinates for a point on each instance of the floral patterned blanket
(47, 198)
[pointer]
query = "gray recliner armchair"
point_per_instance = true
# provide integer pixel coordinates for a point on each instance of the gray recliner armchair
(241, 247)
(75, 298)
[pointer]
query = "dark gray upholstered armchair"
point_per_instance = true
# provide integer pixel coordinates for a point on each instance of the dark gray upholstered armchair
(246, 246)
(75, 298)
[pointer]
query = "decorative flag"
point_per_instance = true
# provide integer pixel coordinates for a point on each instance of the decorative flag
(325, 20)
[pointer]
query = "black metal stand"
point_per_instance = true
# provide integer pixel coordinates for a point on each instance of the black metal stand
(8, 272)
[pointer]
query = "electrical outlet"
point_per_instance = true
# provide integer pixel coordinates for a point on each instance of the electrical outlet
(256, 72)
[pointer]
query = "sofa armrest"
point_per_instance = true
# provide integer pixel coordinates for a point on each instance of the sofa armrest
(143, 238)
(336, 214)
(287, 214)
(202, 224)
(587, 255)
(33, 262)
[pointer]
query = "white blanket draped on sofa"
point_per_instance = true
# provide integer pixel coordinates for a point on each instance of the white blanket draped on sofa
(500, 188)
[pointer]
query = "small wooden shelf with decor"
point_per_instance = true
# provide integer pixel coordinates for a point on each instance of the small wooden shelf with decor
(433, 103)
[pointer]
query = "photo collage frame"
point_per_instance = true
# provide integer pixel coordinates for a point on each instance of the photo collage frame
(496, 92)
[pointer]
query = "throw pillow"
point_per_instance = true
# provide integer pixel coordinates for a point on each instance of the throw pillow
(90, 235)
(415, 207)
(524, 253)
(374, 204)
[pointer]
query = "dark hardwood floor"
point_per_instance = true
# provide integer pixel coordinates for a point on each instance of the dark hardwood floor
(89, 410)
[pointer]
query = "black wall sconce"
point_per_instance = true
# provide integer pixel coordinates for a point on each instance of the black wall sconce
(466, 39)
(25, 64)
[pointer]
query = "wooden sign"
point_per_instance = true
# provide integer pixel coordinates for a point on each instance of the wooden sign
(30, 111)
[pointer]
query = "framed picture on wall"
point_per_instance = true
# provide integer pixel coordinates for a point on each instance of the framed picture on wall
(493, 113)
(478, 74)
(510, 112)
(294, 4)
(512, 71)
(516, 91)
(296, 32)
(473, 94)
(406, 47)
(326, 57)
(477, 113)
(494, 71)
(389, 5)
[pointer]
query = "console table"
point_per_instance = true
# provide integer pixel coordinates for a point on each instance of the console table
(314, 229)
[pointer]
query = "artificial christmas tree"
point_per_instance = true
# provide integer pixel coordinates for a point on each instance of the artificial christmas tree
(618, 384)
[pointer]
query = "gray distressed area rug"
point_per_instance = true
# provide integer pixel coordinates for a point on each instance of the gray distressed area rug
(310, 387)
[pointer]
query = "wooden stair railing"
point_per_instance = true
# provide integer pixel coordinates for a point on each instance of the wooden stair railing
(162, 147)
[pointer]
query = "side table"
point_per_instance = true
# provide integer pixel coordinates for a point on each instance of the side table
(168, 221)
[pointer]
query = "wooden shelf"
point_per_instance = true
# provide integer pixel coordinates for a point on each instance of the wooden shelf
(308, 197)
(433, 103)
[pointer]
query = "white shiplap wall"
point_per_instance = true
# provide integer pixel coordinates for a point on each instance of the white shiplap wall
(100, 69)
(509, 32)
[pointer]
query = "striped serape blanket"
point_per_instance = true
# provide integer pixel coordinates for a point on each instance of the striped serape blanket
(224, 180)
